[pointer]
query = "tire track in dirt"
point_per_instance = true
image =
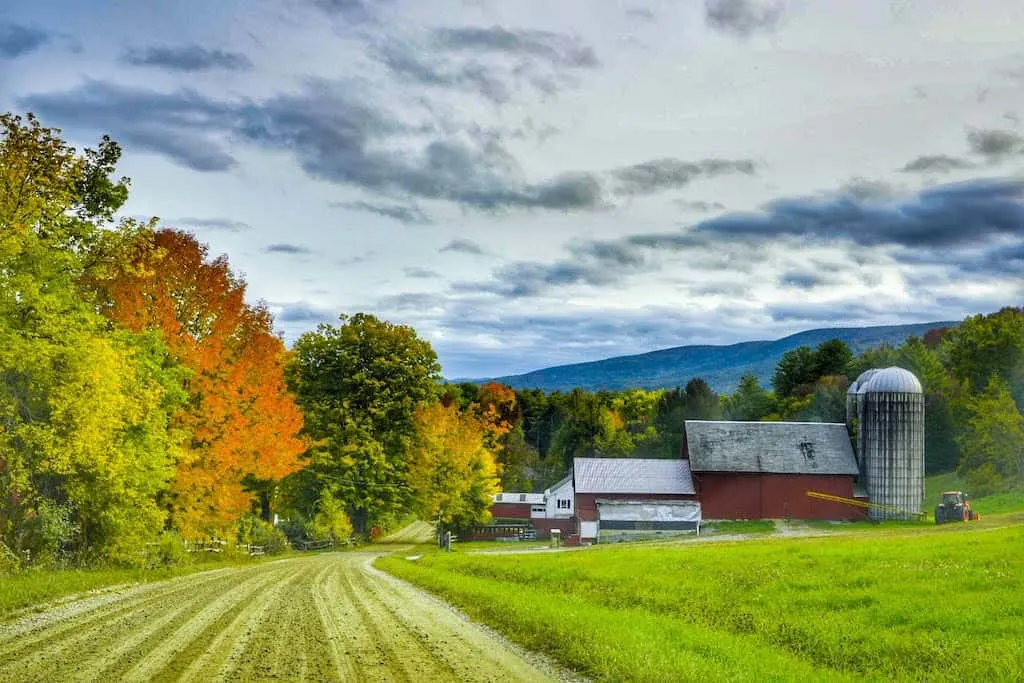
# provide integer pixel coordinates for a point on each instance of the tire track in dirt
(329, 617)
(43, 650)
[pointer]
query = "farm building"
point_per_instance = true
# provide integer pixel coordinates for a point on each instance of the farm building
(763, 470)
(616, 495)
(749, 470)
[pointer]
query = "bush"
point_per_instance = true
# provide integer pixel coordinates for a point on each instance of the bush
(254, 531)
(330, 521)
(168, 551)
(8, 561)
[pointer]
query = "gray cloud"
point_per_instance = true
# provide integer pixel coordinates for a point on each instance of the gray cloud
(184, 126)
(285, 248)
(421, 273)
(557, 48)
(802, 280)
(865, 189)
(303, 312)
(17, 40)
(186, 58)
(666, 173)
(936, 163)
(979, 213)
(403, 213)
(701, 206)
(224, 224)
(995, 145)
(742, 18)
(462, 246)
(945, 215)
(411, 65)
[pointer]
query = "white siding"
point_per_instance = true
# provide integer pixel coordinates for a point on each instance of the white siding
(564, 493)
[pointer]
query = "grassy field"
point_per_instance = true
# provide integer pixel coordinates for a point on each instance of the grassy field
(931, 603)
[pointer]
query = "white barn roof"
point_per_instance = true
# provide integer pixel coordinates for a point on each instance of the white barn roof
(632, 475)
(770, 447)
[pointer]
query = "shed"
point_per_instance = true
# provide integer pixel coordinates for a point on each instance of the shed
(763, 470)
(641, 481)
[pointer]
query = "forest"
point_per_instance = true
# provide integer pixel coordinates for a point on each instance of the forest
(145, 401)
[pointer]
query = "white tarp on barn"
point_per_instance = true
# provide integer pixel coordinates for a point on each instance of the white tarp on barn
(652, 511)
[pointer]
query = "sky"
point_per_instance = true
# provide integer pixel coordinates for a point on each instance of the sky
(531, 183)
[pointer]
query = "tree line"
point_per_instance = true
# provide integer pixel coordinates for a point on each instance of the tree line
(144, 401)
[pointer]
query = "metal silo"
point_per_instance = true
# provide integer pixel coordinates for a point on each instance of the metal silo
(854, 416)
(890, 440)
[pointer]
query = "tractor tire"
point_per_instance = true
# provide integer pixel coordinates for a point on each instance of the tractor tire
(939, 517)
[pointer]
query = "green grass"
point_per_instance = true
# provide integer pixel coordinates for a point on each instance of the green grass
(749, 526)
(37, 586)
(936, 603)
(1010, 501)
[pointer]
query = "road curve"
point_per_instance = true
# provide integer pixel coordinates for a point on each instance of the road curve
(330, 617)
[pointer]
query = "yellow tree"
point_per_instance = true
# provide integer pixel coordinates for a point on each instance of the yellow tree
(452, 474)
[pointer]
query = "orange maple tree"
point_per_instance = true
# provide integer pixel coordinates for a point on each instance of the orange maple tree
(242, 424)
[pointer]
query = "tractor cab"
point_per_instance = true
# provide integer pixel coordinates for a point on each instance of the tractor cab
(954, 498)
(954, 507)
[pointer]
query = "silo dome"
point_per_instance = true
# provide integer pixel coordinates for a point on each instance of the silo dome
(890, 380)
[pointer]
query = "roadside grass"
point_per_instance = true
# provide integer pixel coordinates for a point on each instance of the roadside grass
(746, 526)
(907, 605)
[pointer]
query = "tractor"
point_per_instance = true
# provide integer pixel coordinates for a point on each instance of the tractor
(954, 508)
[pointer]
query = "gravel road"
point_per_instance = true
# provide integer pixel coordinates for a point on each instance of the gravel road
(327, 617)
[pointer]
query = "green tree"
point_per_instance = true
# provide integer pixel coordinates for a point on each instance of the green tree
(359, 385)
(85, 448)
(750, 402)
(983, 345)
(795, 372)
(992, 441)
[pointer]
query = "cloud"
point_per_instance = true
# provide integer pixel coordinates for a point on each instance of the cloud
(699, 206)
(640, 14)
(945, 215)
(402, 213)
(186, 58)
(303, 312)
(802, 280)
(666, 173)
(995, 145)
(17, 40)
(354, 11)
(223, 224)
(184, 126)
(462, 246)
(742, 18)
(285, 248)
(936, 163)
(979, 213)
(412, 66)
(867, 189)
(556, 48)
(419, 272)
(337, 136)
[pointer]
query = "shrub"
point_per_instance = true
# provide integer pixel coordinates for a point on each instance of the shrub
(254, 531)
(167, 551)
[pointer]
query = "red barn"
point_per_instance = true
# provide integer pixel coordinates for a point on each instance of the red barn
(633, 494)
(763, 470)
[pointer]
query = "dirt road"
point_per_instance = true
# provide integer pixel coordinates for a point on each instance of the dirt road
(321, 618)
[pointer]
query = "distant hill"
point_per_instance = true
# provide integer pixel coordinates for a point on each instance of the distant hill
(721, 366)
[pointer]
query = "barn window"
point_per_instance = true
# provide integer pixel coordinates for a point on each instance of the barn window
(522, 497)
(564, 504)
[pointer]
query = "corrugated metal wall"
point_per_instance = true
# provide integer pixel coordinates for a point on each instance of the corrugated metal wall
(890, 445)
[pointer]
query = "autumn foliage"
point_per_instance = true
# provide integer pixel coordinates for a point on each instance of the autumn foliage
(241, 422)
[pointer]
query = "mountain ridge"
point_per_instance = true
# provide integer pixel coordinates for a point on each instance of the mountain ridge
(721, 366)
